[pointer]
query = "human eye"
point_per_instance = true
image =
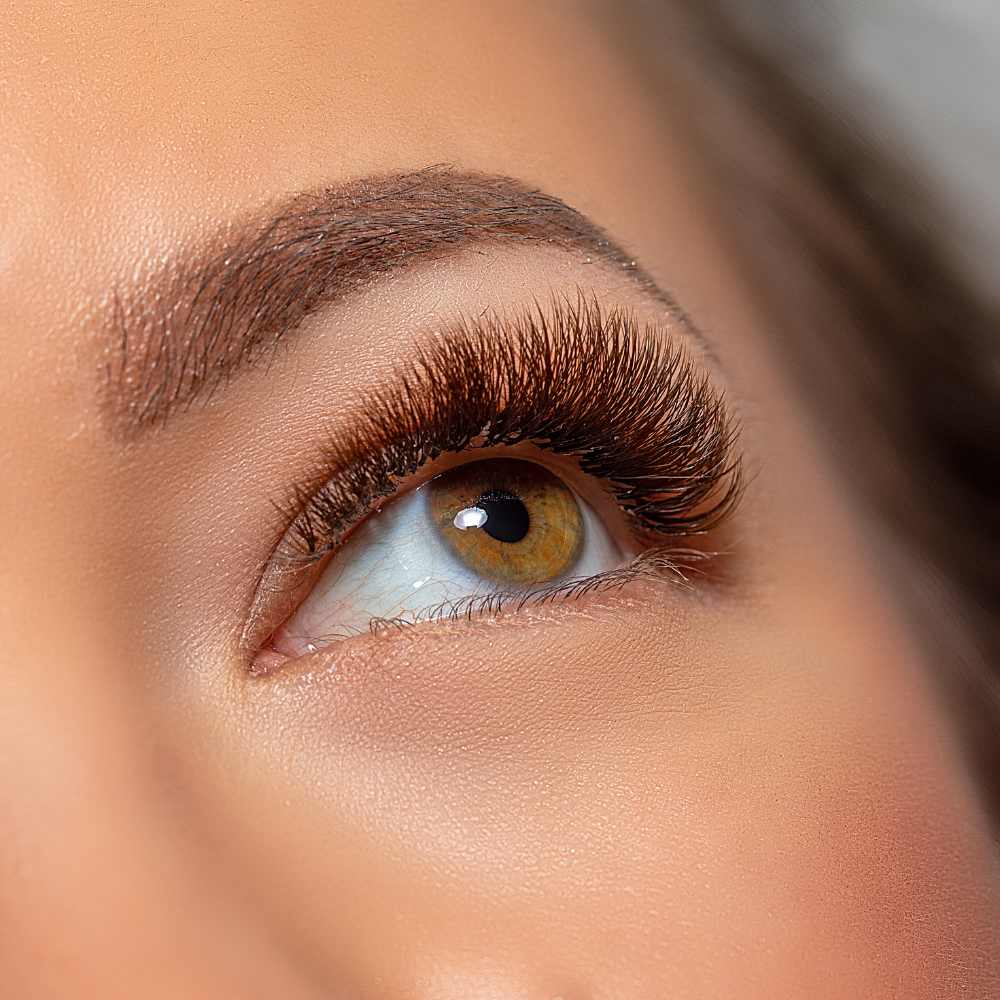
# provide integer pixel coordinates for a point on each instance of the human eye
(518, 460)
(478, 536)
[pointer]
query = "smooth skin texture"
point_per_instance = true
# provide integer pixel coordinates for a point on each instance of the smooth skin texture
(748, 790)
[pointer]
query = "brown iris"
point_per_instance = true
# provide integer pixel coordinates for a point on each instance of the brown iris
(510, 521)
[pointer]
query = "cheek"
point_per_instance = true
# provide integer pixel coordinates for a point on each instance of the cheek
(848, 855)
(844, 855)
(631, 810)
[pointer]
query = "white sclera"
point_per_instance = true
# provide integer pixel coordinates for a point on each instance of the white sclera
(397, 566)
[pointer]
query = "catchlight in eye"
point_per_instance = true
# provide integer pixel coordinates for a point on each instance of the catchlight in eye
(509, 521)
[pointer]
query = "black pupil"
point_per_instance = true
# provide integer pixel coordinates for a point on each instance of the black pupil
(506, 516)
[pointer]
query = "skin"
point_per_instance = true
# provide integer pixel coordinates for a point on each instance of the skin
(749, 790)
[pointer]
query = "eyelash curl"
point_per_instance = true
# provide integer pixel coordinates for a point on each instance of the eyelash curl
(627, 404)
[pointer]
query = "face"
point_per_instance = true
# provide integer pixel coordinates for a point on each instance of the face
(420, 579)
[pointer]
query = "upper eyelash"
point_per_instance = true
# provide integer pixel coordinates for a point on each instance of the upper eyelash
(627, 403)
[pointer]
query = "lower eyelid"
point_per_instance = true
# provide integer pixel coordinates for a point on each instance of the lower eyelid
(646, 578)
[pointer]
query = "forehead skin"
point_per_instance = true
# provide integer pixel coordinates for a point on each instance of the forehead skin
(764, 802)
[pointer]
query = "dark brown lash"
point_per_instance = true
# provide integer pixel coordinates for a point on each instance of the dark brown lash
(627, 404)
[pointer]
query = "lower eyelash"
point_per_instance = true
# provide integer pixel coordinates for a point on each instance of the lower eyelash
(663, 564)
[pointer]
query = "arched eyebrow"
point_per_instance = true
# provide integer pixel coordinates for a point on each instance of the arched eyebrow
(218, 306)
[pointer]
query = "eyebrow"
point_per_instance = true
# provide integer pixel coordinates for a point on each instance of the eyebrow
(224, 303)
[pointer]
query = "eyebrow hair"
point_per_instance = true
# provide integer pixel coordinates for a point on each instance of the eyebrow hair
(216, 308)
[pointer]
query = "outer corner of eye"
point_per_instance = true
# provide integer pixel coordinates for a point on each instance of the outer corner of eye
(481, 533)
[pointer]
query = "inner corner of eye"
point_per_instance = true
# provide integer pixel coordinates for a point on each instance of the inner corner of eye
(477, 534)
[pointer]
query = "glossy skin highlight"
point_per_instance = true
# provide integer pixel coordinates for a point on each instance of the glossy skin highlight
(751, 791)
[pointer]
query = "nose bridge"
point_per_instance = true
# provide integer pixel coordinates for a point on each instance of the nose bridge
(81, 855)
(101, 892)
(78, 853)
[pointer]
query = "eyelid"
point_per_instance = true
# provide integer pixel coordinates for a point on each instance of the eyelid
(637, 585)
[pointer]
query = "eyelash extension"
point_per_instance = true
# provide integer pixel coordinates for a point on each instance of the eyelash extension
(627, 404)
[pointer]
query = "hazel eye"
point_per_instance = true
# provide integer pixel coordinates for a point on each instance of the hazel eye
(512, 522)
(495, 526)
